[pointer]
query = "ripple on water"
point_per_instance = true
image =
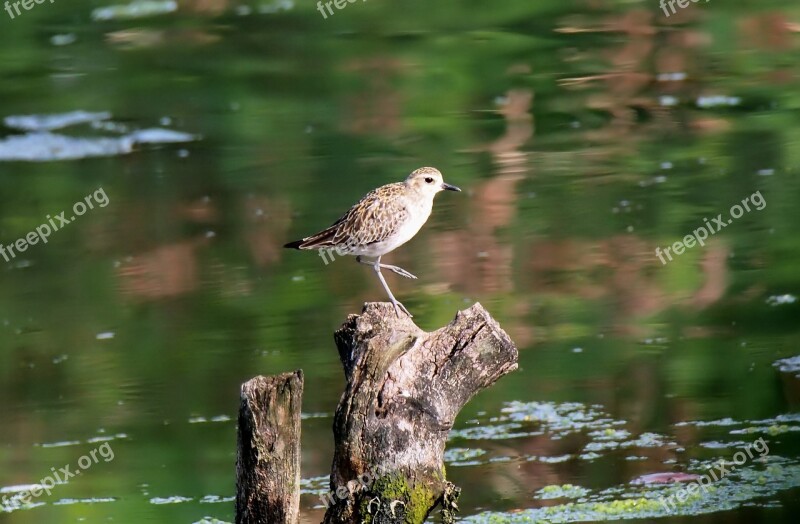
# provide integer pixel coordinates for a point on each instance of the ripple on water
(204, 420)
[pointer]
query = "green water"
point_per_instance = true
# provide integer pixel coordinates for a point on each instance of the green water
(585, 135)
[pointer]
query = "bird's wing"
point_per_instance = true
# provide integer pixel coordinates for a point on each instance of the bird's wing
(373, 219)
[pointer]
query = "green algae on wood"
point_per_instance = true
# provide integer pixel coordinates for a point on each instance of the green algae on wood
(393, 499)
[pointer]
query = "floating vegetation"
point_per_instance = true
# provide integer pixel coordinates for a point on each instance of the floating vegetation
(775, 429)
(716, 444)
(170, 500)
(315, 485)
(95, 500)
(648, 440)
(40, 144)
(462, 456)
(567, 491)
(54, 121)
(492, 432)
(659, 494)
(652, 501)
(610, 434)
(772, 426)
(705, 423)
(135, 9)
(216, 499)
(559, 421)
(779, 300)
(276, 6)
(202, 420)
(562, 419)
(306, 416)
(717, 101)
(789, 365)
(45, 146)
(60, 444)
(91, 440)
(555, 460)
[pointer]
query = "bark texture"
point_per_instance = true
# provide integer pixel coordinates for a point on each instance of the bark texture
(404, 390)
(268, 445)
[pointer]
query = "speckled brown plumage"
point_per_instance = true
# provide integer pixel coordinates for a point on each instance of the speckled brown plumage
(375, 218)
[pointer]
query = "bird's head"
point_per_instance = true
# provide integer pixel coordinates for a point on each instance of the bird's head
(428, 181)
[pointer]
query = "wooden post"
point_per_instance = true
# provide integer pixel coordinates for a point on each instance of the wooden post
(404, 390)
(268, 458)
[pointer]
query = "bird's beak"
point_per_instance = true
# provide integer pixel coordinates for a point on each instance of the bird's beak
(449, 187)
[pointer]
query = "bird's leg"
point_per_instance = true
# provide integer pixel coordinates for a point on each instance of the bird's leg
(397, 305)
(399, 270)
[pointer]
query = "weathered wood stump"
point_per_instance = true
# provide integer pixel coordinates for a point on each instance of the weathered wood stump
(404, 390)
(268, 458)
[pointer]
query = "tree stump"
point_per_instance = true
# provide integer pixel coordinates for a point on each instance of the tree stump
(404, 390)
(268, 457)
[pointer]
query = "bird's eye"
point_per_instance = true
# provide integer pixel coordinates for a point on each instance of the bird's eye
(428, 180)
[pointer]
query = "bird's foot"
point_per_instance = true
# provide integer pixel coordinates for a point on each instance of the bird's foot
(399, 270)
(398, 307)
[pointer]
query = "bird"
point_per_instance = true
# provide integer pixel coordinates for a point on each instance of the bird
(383, 220)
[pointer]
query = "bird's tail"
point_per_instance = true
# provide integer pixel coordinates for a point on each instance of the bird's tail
(320, 240)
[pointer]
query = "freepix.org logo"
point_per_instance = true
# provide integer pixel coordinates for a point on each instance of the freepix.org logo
(683, 4)
(717, 224)
(339, 4)
(718, 472)
(57, 477)
(53, 224)
(12, 7)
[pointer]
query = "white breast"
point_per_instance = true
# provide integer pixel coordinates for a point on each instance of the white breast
(418, 213)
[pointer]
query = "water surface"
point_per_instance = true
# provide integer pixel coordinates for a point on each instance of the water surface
(585, 136)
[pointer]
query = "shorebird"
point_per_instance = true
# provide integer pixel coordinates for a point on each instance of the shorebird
(385, 219)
